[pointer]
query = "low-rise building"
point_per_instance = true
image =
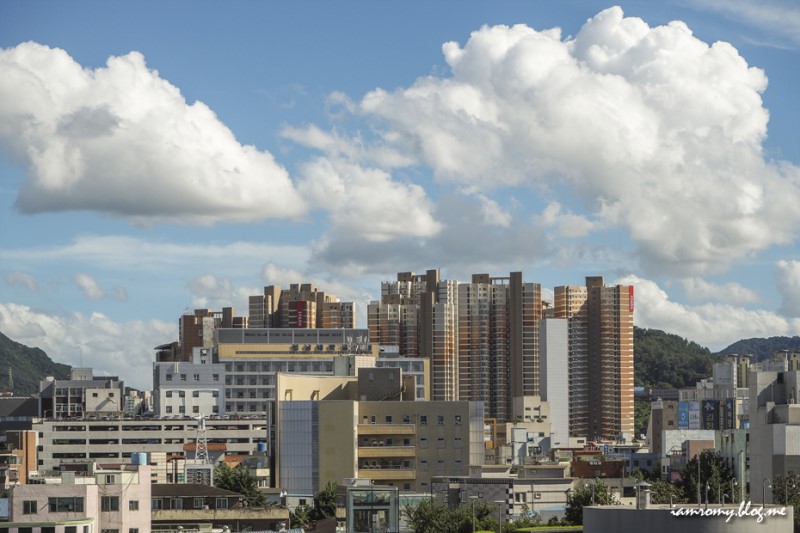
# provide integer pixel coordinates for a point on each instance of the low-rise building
(83, 498)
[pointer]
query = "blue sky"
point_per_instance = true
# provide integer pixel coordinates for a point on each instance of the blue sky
(164, 156)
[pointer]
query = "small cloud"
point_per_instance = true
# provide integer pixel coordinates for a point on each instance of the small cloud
(699, 290)
(22, 279)
(120, 294)
(88, 285)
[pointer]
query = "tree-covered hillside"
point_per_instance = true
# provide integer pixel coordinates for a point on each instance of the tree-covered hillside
(29, 365)
(666, 361)
(762, 348)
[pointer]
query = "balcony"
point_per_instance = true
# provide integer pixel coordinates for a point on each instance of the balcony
(387, 429)
(386, 451)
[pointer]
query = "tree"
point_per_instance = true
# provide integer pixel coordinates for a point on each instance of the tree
(300, 516)
(239, 480)
(715, 477)
(666, 492)
(786, 491)
(527, 519)
(325, 502)
(593, 493)
(430, 516)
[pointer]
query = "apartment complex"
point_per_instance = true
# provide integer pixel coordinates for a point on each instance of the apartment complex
(302, 305)
(600, 357)
(482, 338)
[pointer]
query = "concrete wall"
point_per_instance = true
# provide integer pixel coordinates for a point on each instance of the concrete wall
(661, 520)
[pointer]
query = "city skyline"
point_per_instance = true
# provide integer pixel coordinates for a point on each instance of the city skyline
(163, 158)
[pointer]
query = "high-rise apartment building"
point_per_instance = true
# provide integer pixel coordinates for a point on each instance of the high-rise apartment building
(302, 305)
(600, 357)
(482, 337)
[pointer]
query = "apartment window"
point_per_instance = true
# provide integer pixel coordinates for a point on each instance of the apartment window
(109, 503)
(70, 529)
(169, 394)
(197, 377)
(222, 503)
(457, 443)
(65, 505)
(423, 442)
(440, 464)
(215, 377)
(48, 529)
(195, 394)
(423, 420)
(182, 409)
(440, 442)
(176, 503)
(423, 464)
(168, 377)
(406, 419)
(25, 530)
(195, 409)
(388, 419)
(168, 409)
(457, 420)
(157, 505)
(133, 530)
(198, 503)
(183, 377)
(94, 395)
(133, 505)
(440, 420)
(29, 507)
(181, 394)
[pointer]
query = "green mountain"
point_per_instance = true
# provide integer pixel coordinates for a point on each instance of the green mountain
(29, 366)
(666, 361)
(762, 348)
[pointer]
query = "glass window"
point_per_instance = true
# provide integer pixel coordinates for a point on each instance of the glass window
(176, 503)
(133, 505)
(222, 503)
(423, 420)
(457, 420)
(440, 420)
(30, 507)
(169, 377)
(157, 504)
(109, 503)
(65, 505)
(198, 503)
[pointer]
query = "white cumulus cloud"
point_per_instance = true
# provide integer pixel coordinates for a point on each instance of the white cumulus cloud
(110, 348)
(650, 128)
(122, 140)
(698, 290)
(713, 325)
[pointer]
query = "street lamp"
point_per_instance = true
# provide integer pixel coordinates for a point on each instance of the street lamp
(733, 489)
(500, 504)
(473, 498)
(766, 481)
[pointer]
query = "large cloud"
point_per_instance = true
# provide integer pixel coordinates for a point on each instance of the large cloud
(123, 141)
(712, 325)
(654, 130)
(94, 341)
(788, 277)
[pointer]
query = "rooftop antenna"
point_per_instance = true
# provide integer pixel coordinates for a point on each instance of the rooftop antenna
(201, 448)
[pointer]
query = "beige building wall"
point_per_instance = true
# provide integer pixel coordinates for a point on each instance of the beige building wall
(337, 435)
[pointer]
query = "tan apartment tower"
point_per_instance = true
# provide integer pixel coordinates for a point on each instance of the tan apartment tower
(600, 357)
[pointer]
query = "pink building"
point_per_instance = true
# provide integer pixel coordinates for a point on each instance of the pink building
(87, 498)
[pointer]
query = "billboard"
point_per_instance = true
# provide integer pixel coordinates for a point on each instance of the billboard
(710, 414)
(683, 415)
(730, 413)
(694, 414)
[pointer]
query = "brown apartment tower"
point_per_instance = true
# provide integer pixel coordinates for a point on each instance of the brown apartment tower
(600, 357)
